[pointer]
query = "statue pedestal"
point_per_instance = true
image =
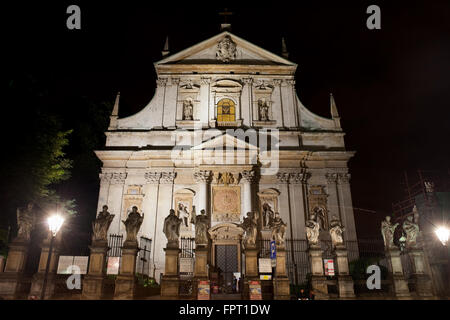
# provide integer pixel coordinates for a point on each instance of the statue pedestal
(399, 283)
(170, 279)
(200, 267)
(11, 277)
(251, 269)
(318, 279)
(126, 280)
(345, 281)
(94, 280)
(281, 288)
(38, 278)
(421, 279)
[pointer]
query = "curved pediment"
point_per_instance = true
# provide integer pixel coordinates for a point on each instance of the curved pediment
(226, 231)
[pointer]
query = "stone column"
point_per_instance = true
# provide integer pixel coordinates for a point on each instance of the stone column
(246, 100)
(203, 113)
(277, 106)
(346, 206)
(318, 279)
(251, 269)
(399, 283)
(421, 279)
(12, 275)
(203, 178)
(248, 177)
(345, 281)
(170, 103)
(288, 103)
(105, 180)
(297, 183)
(333, 202)
(94, 280)
(281, 289)
(126, 280)
(200, 267)
(115, 199)
(38, 277)
(170, 280)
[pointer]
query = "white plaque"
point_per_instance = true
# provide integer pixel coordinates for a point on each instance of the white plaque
(113, 265)
(186, 265)
(64, 263)
(265, 265)
(82, 263)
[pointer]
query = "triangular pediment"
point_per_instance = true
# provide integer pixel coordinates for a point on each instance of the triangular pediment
(225, 141)
(206, 52)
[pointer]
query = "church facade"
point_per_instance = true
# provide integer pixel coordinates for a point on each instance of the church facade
(226, 133)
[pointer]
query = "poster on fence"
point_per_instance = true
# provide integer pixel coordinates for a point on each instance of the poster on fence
(255, 290)
(113, 265)
(329, 267)
(204, 290)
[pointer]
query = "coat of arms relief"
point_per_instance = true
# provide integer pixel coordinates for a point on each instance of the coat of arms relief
(226, 50)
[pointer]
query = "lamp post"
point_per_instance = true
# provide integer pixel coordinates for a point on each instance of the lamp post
(443, 234)
(54, 224)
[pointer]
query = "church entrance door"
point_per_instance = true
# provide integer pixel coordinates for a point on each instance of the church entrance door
(227, 260)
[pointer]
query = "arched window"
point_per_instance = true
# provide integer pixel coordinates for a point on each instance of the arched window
(226, 110)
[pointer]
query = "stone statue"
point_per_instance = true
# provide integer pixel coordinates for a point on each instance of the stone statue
(268, 214)
(312, 230)
(201, 222)
(278, 230)
(25, 221)
(101, 224)
(133, 223)
(183, 214)
(411, 229)
(336, 231)
(188, 110)
(320, 214)
(429, 186)
(226, 50)
(250, 226)
(387, 230)
(172, 228)
(263, 110)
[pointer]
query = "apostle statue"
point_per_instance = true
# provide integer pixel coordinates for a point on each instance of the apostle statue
(183, 214)
(188, 110)
(336, 231)
(278, 230)
(411, 228)
(320, 215)
(267, 214)
(101, 224)
(250, 226)
(263, 110)
(133, 223)
(312, 230)
(172, 228)
(25, 221)
(201, 222)
(387, 230)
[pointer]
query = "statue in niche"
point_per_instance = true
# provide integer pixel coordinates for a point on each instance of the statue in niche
(25, 221)
(387, 230)
(172, 229)
(250, 226)
(226, 50)
(278, 230)
(320, 215)
(263, 109)
(201, 223)
(411, 229)
(267, 215)
(183, 214)
(312, 230)
(133, 224)
(336, 232)
(429, 186)
(101, 224)
(188, 110)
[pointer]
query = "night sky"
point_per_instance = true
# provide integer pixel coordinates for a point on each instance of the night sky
(391, 86)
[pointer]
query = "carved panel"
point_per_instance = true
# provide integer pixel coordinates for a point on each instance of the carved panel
(317, 200)
(226, 203)
(268, 205)
(184, 209)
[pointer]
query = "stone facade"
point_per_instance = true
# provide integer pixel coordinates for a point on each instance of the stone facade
(200, 145)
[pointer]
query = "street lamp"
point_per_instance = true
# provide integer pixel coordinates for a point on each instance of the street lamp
(442, 233)
(54, 224)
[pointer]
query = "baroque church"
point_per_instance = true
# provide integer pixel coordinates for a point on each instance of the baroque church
(226, 133)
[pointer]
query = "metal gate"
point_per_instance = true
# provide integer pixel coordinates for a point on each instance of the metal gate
(227, 262)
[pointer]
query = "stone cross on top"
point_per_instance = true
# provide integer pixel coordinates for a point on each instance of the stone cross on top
(225, 25)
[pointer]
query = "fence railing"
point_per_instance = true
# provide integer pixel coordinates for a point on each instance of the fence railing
(115, 245)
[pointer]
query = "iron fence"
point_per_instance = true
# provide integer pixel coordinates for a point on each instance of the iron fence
(143, 258)
(115, 245)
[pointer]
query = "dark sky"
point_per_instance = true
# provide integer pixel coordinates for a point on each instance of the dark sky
(391, 86)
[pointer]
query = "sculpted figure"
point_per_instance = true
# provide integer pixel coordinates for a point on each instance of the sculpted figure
(250, 226)
(267, 214)
(201, 222)
(336, 231)
(387, 230)
(25, 221)
(312, 229)
(278, 230)
(411, 228)
(133, 224)
(263, 110)
(319, 213)
(183, 214)
(101, 224)
(188, 110)
(172, 228)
